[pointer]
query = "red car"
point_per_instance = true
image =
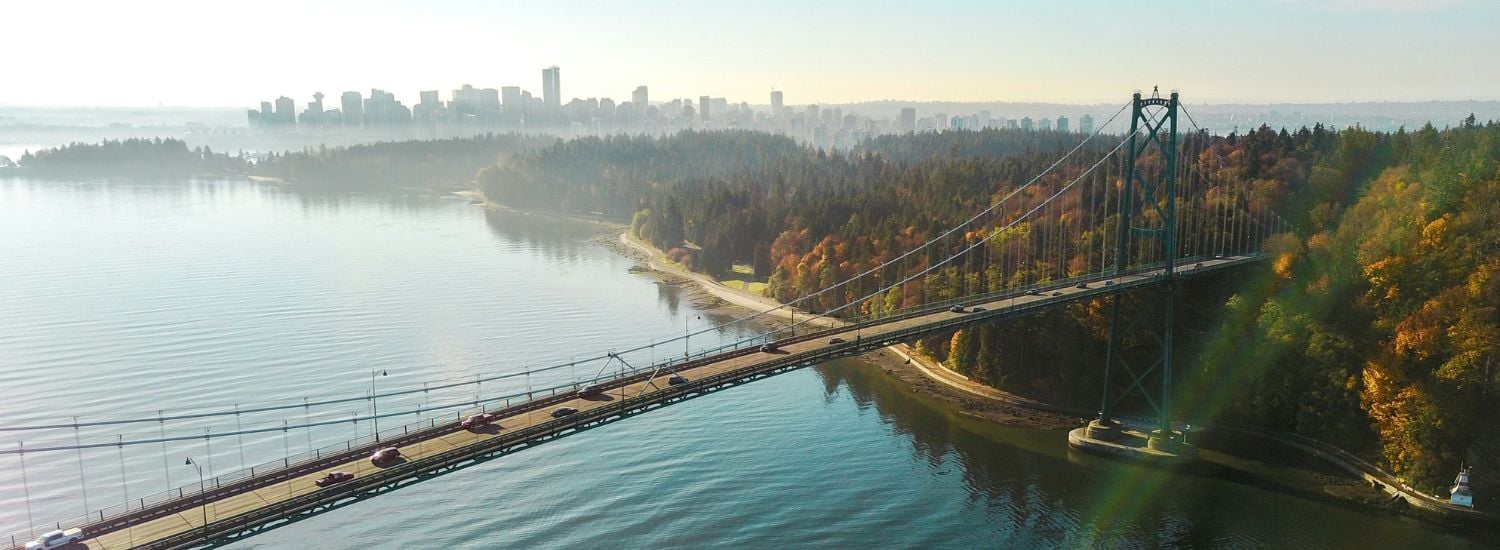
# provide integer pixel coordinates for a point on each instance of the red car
(477, 421)
(333, 478)
(385, 456)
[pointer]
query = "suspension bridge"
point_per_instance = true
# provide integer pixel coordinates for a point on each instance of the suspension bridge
(1102, 221)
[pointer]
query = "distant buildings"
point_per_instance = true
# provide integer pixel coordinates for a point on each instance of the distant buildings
(641, 99)
(1086, 124)
(552, 88)
(908, 119)
(354, 111)
(470, 109)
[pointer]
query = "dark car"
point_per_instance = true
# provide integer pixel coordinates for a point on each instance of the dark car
(333, 478)
(677, 379)
(591, 390)
(1109, 283)
(1057, 293)
(477, 421)
(976, 309)
(1033, 292)
(563, 411)
(769, 347)
(385, 456)
(1082, 285)
(956, 309)
(835, 340)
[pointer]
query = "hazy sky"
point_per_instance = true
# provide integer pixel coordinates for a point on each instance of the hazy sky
(145, 52)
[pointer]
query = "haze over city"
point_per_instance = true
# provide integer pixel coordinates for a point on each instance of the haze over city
(237, 53)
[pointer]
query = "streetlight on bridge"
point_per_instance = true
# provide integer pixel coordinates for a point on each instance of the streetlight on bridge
(686, 336)
(374, 408)
(202, 495)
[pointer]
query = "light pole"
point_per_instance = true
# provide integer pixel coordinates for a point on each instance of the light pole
(374, 408)
(202, 495)
(686, 336)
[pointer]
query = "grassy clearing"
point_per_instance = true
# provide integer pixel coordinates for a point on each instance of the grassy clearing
(742, 269)
(752, 287)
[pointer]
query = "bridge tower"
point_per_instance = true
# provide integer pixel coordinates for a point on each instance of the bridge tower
(1146, 239)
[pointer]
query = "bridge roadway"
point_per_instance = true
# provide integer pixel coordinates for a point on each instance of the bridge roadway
(268, 499)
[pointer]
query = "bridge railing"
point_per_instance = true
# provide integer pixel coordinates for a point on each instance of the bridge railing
(119, 513)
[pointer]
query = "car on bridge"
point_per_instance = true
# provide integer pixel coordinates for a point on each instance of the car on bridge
(769, 347)
(591, 390)
(976, 309)
(385, 456)
(957, 309)
(835, 340)
(563, 411)
(56, 539)
(677, 380)
(1033, 292)
(333, 478)
(477, 421)
(1083, 284)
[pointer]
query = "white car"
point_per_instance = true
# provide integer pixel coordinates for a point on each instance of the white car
(56, 539)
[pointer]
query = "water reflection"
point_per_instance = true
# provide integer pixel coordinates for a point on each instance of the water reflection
(1041, 494)
(555, 238)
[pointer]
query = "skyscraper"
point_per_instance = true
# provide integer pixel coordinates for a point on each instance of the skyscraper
(1086, 124)
(908, 119)
(428, 108)
(776, 103)
(286, 111)
(641, 99)
(552, 87)
(1062, 124)
(703, 102)
(353, 107)
(510, 98)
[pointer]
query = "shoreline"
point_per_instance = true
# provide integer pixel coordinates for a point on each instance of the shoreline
(1356, 482)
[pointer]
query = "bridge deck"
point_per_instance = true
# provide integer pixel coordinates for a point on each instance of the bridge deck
(177, 528)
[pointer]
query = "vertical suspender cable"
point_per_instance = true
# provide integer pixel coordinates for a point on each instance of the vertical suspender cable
(25, 487)
(125, 488)
(240, 437)
(83, 483)
(161, 425)
(307, 423)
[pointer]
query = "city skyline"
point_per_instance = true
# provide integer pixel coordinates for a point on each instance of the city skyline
(1083, 52)
(471, 109)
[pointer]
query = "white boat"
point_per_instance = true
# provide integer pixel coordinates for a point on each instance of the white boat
(1460, 494)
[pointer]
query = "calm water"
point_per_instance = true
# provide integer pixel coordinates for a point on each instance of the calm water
(125, 299)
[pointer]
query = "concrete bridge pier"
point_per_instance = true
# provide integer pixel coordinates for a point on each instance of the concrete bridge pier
(1113, 439)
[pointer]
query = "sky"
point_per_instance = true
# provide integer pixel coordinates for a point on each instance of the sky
(228, 53)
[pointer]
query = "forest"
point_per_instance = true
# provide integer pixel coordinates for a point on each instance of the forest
(1373, 326)
(442, 164)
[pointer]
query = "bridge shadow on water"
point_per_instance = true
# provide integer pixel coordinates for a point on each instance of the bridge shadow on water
(1048, 494)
